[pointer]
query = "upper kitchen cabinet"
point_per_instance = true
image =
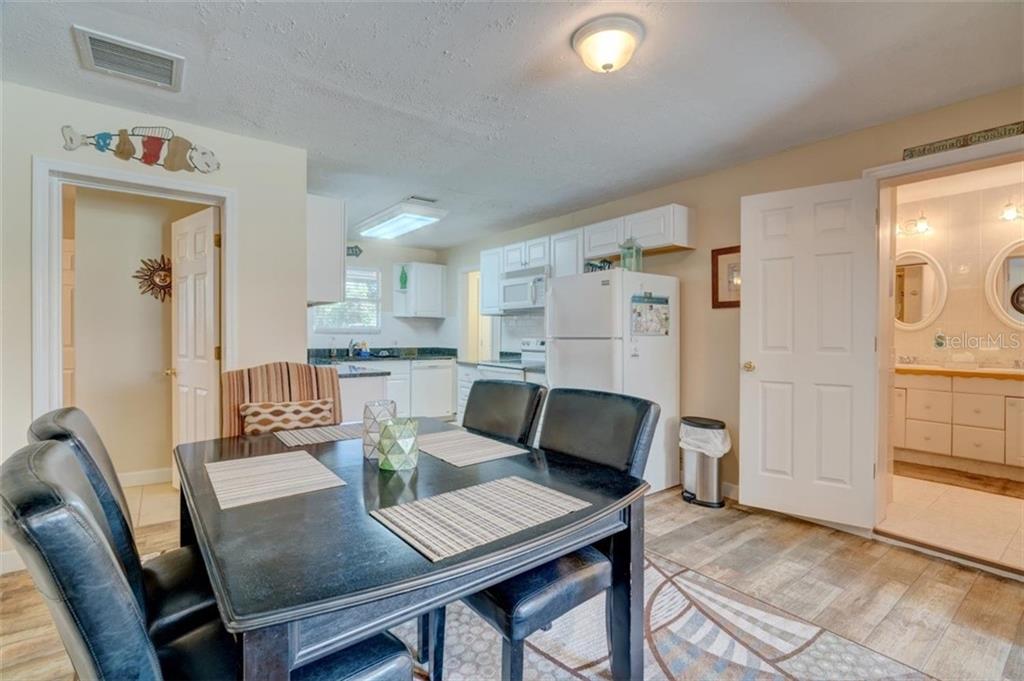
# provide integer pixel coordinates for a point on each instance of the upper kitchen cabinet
(325, 249)
(490, 280)
(665, 227)
(526, 254)
(662, 229)
(603, 238)
(418, 290)
(567, 253)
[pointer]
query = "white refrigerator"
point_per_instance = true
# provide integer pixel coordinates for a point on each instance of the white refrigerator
(618, 331)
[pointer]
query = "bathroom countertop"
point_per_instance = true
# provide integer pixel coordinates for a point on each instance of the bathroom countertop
(985, 372)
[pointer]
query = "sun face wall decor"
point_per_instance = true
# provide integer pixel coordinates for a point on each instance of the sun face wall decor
(155, 277)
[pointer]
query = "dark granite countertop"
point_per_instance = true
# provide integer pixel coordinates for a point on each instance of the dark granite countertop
(323, 355)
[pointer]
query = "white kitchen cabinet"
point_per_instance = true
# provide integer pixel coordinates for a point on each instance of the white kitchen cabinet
(356, 392)
(467, 376)
(602, 239)
(513, 257)
(325, 249)
(490, 281)
(398, 384)
(664, 227)
(567, 253)
(536, 252)
(423, 293)
(525, 254)
(433, 387)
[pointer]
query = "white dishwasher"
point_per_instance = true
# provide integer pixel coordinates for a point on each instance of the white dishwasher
(433, 387)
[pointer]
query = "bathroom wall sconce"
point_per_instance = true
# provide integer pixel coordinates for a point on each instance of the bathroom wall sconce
(1011, 212)
(914, 227)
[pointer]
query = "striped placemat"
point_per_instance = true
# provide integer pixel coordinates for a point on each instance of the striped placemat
(239, 482)
(314, 436)
(460, 448)
(453, 522)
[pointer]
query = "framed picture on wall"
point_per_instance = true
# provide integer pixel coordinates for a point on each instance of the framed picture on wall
(725, 277)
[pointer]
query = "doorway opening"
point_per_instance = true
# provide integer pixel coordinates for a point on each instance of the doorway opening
(477, 334)
(126, 294)
(956, 343)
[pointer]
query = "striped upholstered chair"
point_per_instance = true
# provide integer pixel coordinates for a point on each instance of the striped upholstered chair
(275, 382)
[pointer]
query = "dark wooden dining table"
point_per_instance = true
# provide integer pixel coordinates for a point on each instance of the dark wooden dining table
(302, 576)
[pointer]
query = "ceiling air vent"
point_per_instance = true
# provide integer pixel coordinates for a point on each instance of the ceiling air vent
(119, 57)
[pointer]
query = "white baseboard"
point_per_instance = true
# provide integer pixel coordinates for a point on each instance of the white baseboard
(731, 491)
(10, 561)
(153, 476)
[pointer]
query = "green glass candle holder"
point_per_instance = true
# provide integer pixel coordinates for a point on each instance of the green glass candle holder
(398, 449)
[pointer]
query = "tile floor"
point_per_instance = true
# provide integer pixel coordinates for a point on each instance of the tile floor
(966, 521)
(152, 504)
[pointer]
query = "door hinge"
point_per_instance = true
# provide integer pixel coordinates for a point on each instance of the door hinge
(216, 240)
(876, 343)
(874, 471)
(216, 353)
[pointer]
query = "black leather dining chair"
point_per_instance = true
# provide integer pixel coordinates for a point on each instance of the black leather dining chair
(604, 428)
(53, 516)
(496, 408)
(503, 409)
(172, 590)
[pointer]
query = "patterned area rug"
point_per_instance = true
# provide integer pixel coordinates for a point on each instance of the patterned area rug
(695, 628)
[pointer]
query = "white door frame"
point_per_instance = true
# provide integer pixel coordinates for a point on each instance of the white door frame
(48, 176)
(883, 355)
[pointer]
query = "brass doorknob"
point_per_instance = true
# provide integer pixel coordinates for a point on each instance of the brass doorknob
(170, 372)
(749, 366)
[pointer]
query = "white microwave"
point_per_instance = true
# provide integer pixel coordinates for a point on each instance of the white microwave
(523, 291)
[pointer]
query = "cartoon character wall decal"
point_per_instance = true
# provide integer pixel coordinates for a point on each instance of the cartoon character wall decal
(159, 147)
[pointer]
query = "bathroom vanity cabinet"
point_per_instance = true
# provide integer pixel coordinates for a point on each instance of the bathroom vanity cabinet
(969, 417)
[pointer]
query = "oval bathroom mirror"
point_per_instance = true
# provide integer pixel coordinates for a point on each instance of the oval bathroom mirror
(1004, 284)
(920, 290)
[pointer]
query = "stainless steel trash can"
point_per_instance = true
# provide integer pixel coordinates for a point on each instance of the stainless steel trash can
(702, 483)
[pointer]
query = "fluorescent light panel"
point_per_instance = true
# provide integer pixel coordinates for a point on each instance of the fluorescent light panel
(399, 219)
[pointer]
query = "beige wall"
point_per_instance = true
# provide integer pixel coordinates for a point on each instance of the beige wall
(403, 332)
(270, 181)
(123, 339)
(710, 338)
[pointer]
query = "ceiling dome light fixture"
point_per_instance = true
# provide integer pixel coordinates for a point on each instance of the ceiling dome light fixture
(606, 44)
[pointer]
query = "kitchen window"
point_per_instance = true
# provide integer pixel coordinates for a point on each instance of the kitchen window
(360, 313)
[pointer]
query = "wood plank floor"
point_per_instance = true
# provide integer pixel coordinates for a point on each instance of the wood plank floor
(982, 483)
(947, 620)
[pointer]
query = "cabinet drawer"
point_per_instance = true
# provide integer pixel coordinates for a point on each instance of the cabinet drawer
(928, 437)
(1015, 431)
(923, 382)
(929, 405)
(983, 411)
(983, 444)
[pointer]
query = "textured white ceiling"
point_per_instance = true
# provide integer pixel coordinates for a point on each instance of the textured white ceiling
(486, 108)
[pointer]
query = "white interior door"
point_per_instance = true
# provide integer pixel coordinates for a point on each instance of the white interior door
(808, 390)
(195, 328)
